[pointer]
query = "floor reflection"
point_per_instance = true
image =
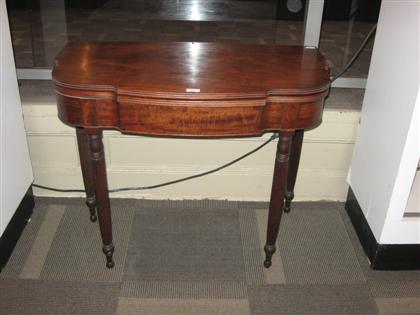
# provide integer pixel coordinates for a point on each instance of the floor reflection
(39, 34)
(192, 10)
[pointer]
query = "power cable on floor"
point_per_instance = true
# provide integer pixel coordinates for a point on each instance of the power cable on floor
(274, 136)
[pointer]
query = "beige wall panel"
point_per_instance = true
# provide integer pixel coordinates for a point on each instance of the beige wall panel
(43, 119)
(174, 155)
(310, 185)
(139, 161)
(49, 151)
(188, 152)
(326, 155)
(337, 126)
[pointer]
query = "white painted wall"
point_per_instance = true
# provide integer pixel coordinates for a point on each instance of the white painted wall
(387, 150)
(15, 166)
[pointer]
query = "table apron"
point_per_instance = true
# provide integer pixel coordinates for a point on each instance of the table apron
(192, 118)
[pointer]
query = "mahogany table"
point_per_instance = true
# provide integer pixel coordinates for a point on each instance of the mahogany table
(202, 90)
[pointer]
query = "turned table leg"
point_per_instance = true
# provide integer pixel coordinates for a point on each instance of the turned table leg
(101, 191)
(278, 188)
(85, 163)
(293, 168)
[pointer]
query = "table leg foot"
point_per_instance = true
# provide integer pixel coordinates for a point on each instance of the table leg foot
(91, 203)
(288, 201)
(109, 252)
(269, 251)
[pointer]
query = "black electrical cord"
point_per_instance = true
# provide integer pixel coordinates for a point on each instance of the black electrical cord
(356, 54)
(57, 189)
(274, 136)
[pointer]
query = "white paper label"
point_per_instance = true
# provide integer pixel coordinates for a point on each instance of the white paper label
(189, 90)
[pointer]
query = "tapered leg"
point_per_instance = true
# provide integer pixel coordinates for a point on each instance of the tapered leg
(86, 165)
(277, 194)
(101, 192)
(293, 168)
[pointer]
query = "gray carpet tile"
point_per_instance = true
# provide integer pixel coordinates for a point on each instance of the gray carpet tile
(42, 244)
(383, 284)
(274, 274)
(251, 248)
(50, 297)
(166, 204)
(80, 202)
(205, 204)
(184, 289)
(310, 205)
(387, 284)
(198, 257)
(134, 306)
(398, 306)
(358, 249)
(185, 244)
(311, 299)
(23, 247)
(76, 252)
(316, 248)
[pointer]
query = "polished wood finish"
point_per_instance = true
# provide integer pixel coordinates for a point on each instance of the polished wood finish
(101, 192)
(84, 154)
(281, 167)
(189, 90)
(293, 168)
(146, 88)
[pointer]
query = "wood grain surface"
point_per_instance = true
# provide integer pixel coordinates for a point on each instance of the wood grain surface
(190, 89)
